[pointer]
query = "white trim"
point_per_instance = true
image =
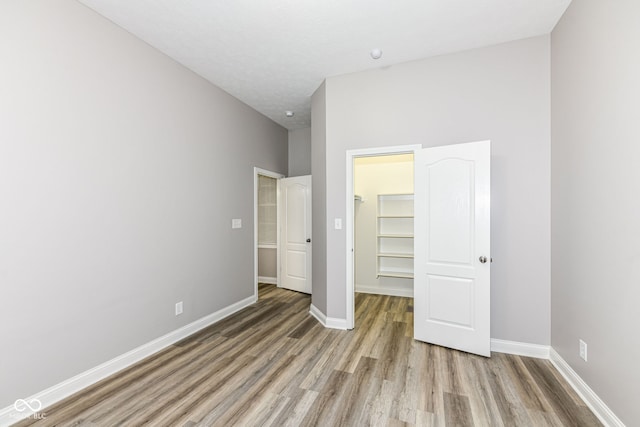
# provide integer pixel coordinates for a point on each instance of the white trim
(258, 171)
(268, 280)
(520, 348)
(350, 156)
(336, 323)
(319, 315)
(394, 292)
(597, 406)
(72, 385)
(327, 322)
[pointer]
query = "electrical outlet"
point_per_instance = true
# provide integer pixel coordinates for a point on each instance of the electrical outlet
(583, 350)
(178, 308)
(236, 223)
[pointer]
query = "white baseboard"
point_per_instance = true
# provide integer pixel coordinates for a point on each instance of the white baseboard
(269, 280)
(327, 322)
(48, 397)
(520, 348)
(599, 408)
(394, 292)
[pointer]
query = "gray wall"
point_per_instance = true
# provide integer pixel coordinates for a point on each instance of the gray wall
(120, 172)
(300, 152)
(319, 198)
(595, 201)
(499, 93)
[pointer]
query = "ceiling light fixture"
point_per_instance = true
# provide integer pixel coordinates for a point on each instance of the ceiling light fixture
(375, 53)
(289, 113)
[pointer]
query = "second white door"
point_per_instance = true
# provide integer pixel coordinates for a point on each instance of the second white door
(295, 233)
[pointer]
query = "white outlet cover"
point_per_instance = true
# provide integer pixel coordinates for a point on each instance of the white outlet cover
(583, 350)
(178, 308)
(236, 223)
(338, 223)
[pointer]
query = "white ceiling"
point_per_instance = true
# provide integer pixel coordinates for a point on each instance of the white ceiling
(273, 54)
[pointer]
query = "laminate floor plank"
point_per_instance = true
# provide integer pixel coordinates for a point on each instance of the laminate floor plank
(429, 383)
(303, 328)
(273, 364)
(562, 403)
(504, 396)
(481, 399)
(409, 401)
(457, 411)
(451, 375)
(512, 370)
(229, 397)
(295, 411)
(363, 338)
(380, 408)
(265, 411)
(356, 393)
(324, 408)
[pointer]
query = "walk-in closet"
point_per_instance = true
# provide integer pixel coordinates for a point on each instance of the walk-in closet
(383, 213)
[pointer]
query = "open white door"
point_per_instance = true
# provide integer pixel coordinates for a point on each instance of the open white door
(452, 246)
(295, 233)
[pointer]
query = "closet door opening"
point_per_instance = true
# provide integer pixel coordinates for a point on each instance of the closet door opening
(383, 225)
(266, 227)
(379, 230)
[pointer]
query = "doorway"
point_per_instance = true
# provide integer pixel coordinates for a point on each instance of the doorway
(383, 225)
(265, 227)
(352, 205)
(451, 242)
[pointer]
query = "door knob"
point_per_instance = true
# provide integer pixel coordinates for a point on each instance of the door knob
(483, 259)
(308, 240)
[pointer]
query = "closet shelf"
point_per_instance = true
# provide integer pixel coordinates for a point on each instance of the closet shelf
(391, 255)
(395, 274)
(394, 253)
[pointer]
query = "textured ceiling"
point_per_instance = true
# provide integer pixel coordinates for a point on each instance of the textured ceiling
(274, 54)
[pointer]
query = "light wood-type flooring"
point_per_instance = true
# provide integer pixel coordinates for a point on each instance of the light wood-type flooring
(272, 364)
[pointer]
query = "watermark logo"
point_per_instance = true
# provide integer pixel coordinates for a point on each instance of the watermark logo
(32, 406)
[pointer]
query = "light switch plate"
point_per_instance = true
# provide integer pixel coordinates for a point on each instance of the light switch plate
(338, 223)
(236, 223)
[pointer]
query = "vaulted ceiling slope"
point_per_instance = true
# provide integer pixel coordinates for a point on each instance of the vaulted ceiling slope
(274, 54)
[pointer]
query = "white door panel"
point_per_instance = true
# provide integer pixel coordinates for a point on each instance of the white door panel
(450, 300)
(450, 220)
(295, 227)
(452, 233)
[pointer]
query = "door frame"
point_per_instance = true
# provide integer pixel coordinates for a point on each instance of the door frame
(258, 171)
(350, 220)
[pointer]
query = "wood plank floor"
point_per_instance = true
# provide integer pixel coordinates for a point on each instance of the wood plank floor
(272, 364)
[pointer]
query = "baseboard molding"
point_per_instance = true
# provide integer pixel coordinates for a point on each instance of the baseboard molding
(327, 322)
(520, 348)
(48, 397)
(394, 292)
(268, 280)
(599, 408)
